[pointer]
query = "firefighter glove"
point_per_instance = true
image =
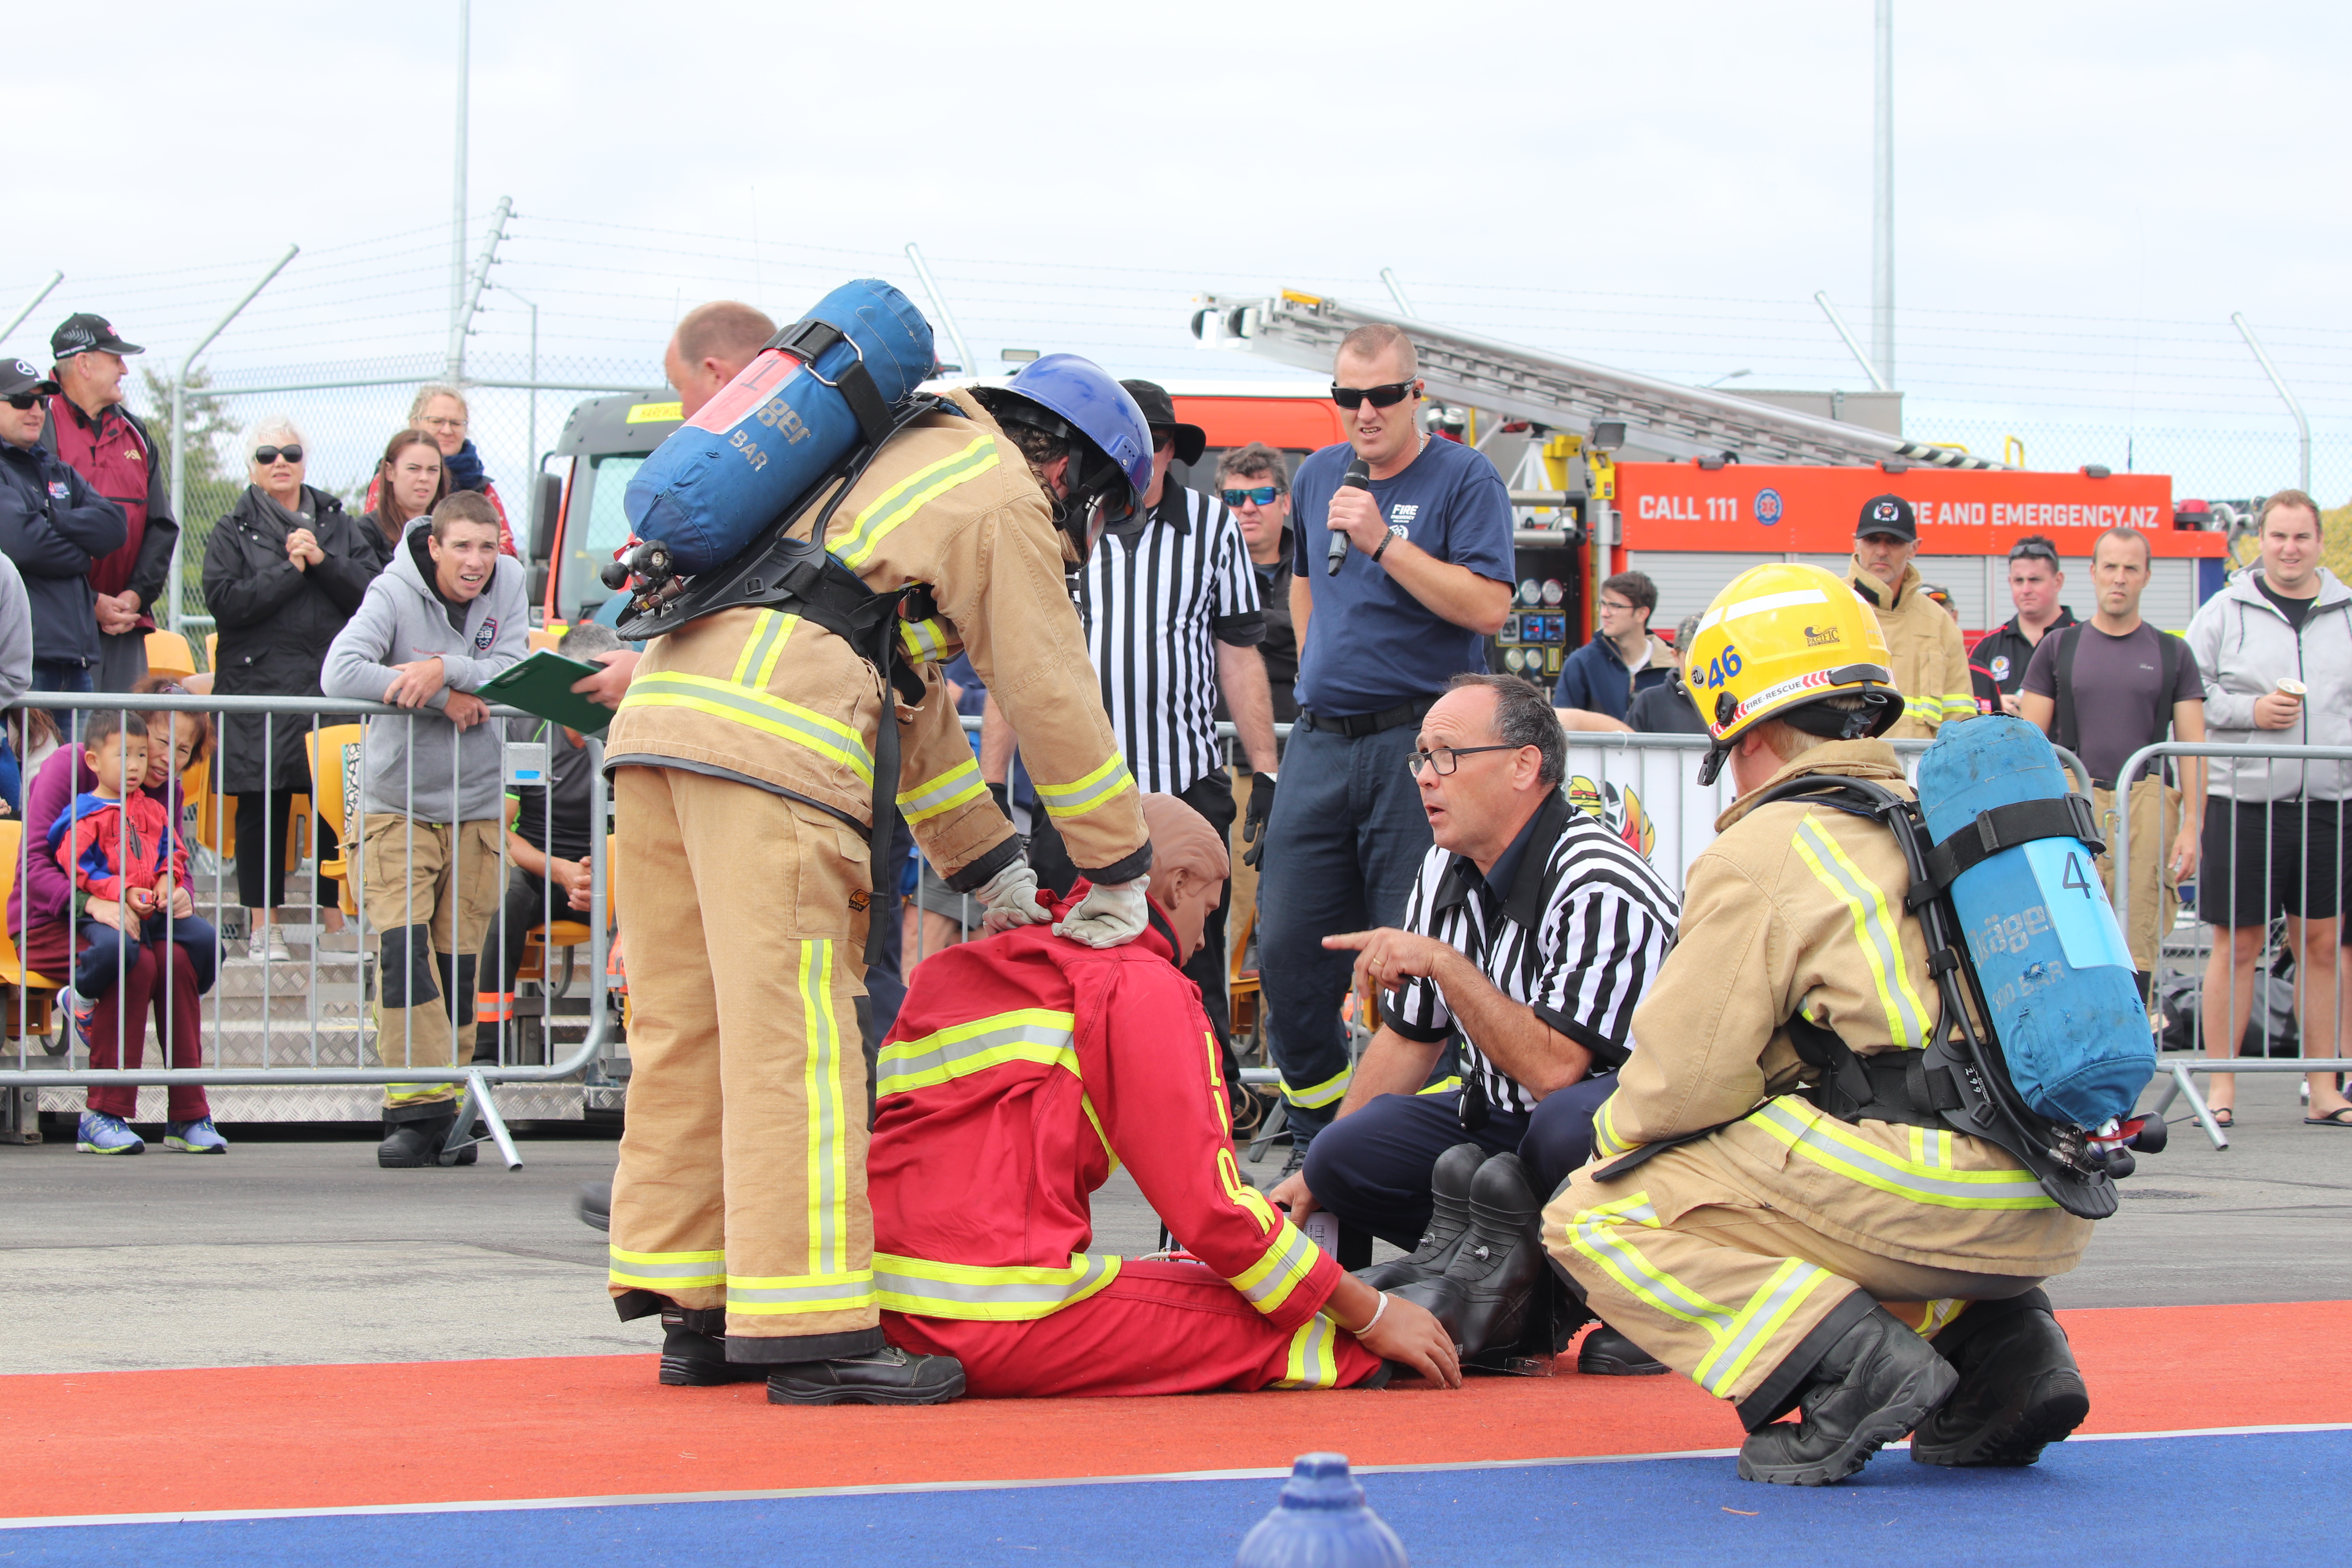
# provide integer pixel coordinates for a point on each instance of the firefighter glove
(1010, 898)
(1111, 913)
(1261, 807)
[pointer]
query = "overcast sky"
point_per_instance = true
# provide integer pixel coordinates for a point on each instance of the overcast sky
(2084, 191)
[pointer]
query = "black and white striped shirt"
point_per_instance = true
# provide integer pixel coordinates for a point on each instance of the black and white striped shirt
(1156, 601)
(1577, 937)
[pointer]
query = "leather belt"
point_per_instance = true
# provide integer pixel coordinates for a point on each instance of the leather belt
(1355, 726)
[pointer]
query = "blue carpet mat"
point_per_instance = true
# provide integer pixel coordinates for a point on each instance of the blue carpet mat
(2265, 1497)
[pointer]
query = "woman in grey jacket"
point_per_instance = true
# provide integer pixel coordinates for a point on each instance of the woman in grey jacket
(2275, 647)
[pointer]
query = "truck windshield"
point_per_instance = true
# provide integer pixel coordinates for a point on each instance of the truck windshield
(598, 527)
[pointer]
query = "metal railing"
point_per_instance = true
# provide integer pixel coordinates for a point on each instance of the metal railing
(21, 1078)
(2300, 808)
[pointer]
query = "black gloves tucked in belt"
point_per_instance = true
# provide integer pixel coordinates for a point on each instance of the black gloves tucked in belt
(1261, 807)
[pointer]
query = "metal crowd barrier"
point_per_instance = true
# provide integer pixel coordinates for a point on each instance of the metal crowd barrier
(2299, 812)
(319, 1037)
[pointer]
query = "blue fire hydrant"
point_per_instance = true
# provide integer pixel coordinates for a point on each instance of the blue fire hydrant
(1321, 1522)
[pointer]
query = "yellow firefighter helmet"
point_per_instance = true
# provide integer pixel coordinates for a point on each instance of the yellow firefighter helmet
(1774, 643)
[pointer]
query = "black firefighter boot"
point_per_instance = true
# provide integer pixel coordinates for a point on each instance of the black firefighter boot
(1500, 1261)
(1876, 1381)
(1605, 1352)
(594, 1206)
(2019, 1388)
(887, 1375)
(694, 1350)
(413, 1136)
(1449, 1222)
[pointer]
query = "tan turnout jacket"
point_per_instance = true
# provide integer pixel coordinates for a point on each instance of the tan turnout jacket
(1931, 660)
(769, 699)
(1798, 905)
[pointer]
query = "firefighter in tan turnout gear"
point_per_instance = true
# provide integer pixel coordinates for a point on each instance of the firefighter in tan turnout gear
(1928, 657)
(1873, 1276)
(743, 758)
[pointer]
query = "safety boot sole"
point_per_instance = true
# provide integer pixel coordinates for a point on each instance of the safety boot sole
(2059, 1402)
(695, 1372)
(1928, 1386)
(938, 1395)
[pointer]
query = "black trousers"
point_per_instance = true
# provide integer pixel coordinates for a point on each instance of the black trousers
(261, 849)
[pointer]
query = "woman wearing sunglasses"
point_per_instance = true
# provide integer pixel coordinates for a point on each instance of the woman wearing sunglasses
(283, 571)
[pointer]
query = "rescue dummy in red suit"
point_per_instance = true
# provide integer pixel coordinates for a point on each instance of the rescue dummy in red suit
(1023, 1070)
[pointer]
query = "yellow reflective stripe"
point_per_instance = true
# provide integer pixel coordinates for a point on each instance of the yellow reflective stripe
(1268, 1283)
(403, 1093)
(1922, 708)
(1597, 1233)
(759, 711)
(1312, 1359)
(1719, 1372)
(1078, 798)
(1240, 1195)
(666, 1270)
(1319, 1094)
(910, 495)
(1876, 931)
(926, 642)
(775, 1296)
(1607, 1142)
(974, 1294)
(1960, 704)
(1832, 1145)
(1939, 1315)
(757, 660)
(1931, 1148)
(1036, 1035)
(1442, 1086)
(828, 1143)
(951, 789)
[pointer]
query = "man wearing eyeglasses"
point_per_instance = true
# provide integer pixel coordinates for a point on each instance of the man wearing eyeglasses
(1253, 481)
(104, 442)
(1623, 657)
(2034, 583)
(1424, 576)
(53, 525)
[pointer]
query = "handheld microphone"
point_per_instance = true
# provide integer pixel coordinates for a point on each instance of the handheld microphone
(1359, 476)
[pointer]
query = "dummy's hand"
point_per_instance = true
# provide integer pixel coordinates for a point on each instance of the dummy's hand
(1291, 1194)
(610, 684)
(1010, 898)
(1108, 915)
(2276, 710)
(1387, 958)
(414, 684)
(1413, 1335)
(1261, 807)
(466, 710)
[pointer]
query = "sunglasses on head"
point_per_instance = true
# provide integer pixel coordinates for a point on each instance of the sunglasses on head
(271, 454)
(1261, 495)
(20, 401)
(2033, 550)
(1384, 397)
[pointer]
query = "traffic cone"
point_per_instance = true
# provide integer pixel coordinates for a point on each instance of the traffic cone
(1321, 1522)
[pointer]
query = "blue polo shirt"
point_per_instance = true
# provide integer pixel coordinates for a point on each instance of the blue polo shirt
(1370, 645)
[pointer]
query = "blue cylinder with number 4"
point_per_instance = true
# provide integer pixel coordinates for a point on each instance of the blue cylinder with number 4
(2056, 970)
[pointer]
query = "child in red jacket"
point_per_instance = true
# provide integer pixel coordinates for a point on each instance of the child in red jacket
(118, 845)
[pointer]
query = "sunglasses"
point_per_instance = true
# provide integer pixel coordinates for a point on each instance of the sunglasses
(1259, 495)
(21, 401)
(267, 455)
(2034, 552)
(1353, 397)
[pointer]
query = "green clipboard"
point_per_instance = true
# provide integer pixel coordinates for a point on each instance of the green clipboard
(542, 684)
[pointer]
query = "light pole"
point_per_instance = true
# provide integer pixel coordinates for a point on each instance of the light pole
(534, 375)
(1881, 226)
(458, 204)
(2302, 425)
(180, 425)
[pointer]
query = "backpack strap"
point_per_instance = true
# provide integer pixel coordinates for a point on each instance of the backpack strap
(2064, 731)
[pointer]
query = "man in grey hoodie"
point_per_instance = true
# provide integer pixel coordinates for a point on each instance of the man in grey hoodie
(2275, 647)
(446, 615)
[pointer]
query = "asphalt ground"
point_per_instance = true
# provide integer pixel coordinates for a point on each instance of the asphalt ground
(294, 1248)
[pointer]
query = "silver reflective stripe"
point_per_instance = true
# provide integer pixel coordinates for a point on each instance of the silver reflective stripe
(1268, 1282)
(1875, 928)
(961, 1290)
(818, 1293)
(1031, 1035)
(1828, 1144)
(1757, 1322)
(666, 1268)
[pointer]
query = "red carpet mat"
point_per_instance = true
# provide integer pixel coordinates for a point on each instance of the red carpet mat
(223, 1439)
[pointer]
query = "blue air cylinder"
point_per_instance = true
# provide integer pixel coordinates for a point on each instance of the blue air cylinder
(750, 454)
(1321, 1521)
(2054, 968)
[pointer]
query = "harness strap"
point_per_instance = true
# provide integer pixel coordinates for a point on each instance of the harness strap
(806, 341)
(2004, 827)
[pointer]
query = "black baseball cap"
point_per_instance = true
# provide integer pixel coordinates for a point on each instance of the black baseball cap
(1159, 413)
(18, 377)
(81, 333)
(1889, 515)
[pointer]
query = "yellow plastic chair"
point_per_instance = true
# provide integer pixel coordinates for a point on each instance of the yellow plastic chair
(168, 653)
(37, 989)
(327, 748)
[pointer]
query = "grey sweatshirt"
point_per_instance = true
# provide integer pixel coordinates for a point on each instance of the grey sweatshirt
(403, 620)
(2243, 645)
(16, 635)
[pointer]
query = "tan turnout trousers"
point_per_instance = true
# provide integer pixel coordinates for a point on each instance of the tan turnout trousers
(741, 1180)
(419, 878)
(2154, 896)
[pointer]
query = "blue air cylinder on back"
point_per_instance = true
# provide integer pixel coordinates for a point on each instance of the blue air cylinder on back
(752, 453)
(2055, 969)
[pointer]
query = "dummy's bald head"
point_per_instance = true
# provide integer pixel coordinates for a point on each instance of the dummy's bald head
(1181, 837)
(724, 329)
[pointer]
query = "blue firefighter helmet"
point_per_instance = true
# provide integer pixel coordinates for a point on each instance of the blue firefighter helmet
(1076, 400)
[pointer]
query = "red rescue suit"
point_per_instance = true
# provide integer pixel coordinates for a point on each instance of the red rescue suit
(1023, 1069)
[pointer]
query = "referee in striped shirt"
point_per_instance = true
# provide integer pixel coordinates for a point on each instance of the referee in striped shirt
(1170, 606)
(1531, 932)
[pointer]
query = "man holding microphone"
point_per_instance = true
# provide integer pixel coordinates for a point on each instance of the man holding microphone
(1400, 569)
